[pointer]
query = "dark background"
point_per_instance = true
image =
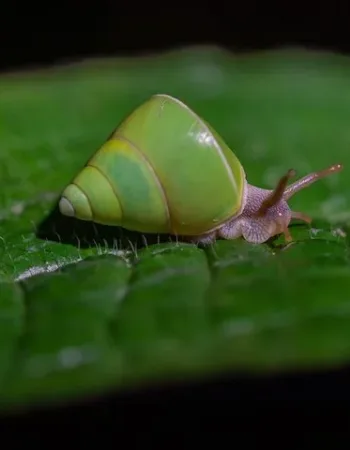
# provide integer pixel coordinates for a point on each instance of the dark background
(35, 34)
(269, 410)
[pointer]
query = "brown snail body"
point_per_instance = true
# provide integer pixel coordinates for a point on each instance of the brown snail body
(265, 213)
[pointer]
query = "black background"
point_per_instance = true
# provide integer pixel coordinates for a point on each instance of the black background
(34, 34)
(271, 410)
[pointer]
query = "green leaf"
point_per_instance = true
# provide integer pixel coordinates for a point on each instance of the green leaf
(66, 343)
(84, 308)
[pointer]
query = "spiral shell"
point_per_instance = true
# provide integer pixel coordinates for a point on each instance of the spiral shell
(163, 170)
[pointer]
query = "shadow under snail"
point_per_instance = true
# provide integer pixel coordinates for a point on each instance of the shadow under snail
(165, 170)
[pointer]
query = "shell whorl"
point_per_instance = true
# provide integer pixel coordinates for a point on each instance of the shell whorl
(168, 171)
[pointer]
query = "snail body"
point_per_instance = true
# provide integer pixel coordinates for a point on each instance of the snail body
(165, 170)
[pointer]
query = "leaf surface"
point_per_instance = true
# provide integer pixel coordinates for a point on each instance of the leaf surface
(85, 308)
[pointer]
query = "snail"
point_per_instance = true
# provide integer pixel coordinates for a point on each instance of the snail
(165, 170)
